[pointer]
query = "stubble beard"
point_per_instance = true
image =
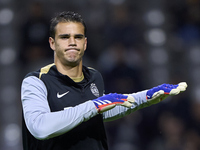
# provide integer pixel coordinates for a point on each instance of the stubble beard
(73, 60)
(69, 59)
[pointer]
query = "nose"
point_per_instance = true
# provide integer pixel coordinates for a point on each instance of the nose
(72, 41)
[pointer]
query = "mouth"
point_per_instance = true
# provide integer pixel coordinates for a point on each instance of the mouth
(72, 49)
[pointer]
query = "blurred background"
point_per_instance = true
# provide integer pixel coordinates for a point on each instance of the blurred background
(135, 44)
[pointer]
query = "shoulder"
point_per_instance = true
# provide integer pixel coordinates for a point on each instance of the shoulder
(90, 69)
(32, 84)
(94, 74)
(32, 80)
(45, 69)
(40, 72)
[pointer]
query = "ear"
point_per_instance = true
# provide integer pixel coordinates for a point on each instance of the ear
(85, 44)
(52, 43)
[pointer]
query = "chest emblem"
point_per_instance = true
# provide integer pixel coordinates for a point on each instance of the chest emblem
(94, 89)
(61, 95)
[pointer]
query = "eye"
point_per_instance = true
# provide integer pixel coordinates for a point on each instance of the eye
(64, 37)
(79, 37)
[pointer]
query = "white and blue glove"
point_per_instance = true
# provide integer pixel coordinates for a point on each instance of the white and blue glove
(159, 93)
(109, 101)
(153, 96)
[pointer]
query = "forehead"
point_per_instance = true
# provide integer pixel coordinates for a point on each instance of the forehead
(69, 28)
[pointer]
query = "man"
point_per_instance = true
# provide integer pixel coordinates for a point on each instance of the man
(64, 105)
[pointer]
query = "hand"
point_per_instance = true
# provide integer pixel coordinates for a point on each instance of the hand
(109, 101)
(159, 93)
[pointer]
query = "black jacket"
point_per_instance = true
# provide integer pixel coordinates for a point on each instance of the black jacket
(89, 135)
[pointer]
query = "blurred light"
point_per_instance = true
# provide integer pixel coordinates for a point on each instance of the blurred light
(160, 75)
(159, 56)
(156, 37)
(155, 18)
(117, 2)
(194, 55)
(8, 94)
(12, 134)
(7, 56)
(6, 16)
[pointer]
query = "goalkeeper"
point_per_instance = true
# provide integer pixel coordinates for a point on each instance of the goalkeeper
(64, 105)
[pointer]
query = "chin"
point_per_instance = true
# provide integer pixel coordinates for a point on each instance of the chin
(73, 63)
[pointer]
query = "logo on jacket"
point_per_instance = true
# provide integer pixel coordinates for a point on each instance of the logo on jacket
(94, 90)
(61, 95)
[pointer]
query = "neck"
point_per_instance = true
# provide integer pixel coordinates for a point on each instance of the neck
(70, 71)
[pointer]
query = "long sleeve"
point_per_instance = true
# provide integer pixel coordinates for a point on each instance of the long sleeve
(40, 121)
(120, 111)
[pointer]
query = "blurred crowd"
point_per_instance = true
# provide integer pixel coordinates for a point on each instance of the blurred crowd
(118, 49)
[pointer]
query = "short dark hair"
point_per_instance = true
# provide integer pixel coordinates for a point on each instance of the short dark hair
(68, 16)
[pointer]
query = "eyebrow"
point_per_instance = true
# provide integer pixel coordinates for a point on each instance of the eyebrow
(80, 35)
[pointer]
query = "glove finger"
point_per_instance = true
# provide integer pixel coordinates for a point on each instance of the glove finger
(131, 99)
(125, 100)
(174, 91)
(157, 94)
(182, 86)
(127, 104)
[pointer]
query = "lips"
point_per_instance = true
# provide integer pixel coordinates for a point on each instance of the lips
(72, 49)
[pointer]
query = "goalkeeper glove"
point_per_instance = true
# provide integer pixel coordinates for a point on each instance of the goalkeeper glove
(109, 101)
(159, 93)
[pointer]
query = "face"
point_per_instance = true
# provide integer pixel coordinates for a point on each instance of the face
(69, 43)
